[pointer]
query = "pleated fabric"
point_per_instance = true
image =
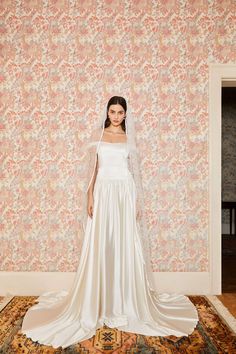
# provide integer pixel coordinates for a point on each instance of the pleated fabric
(110, 285)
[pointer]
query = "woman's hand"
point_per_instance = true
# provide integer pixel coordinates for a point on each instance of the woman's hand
(90, 205)
(138, 214)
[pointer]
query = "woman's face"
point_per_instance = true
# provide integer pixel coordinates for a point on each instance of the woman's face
(116, 113)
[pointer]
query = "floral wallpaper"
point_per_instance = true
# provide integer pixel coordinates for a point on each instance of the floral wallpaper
(61, 61)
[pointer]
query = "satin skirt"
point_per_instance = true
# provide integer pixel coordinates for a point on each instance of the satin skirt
(110, 285)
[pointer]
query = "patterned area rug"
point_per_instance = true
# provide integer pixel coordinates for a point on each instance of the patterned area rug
(212, 335)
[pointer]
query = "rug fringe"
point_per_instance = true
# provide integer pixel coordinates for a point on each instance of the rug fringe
(6, 299)
(223, 312)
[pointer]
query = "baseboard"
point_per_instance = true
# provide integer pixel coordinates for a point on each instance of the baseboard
(35, 283)
(223, 312)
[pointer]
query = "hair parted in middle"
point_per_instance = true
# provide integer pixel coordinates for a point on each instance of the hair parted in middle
(116, 100)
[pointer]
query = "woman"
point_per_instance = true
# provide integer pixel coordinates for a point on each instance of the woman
(113, 283)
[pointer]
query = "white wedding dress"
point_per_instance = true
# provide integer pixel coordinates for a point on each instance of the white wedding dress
(110, 285)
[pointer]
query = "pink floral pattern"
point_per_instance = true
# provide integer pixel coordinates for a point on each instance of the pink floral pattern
(60, 62)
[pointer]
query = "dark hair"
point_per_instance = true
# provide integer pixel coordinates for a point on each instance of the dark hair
(116, 100)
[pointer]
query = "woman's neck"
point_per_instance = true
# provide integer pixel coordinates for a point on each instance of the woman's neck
(114, 130)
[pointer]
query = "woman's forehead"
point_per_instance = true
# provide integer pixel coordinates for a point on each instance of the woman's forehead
(116, 107)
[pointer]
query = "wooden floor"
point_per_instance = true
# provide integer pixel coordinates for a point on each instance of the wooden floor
(229, 301)
(228, 297)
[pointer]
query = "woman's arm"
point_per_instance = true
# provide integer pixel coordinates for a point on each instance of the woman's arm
(91, 187)
(90, 191)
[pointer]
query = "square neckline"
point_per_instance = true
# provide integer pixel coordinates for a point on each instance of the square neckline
(108, 142)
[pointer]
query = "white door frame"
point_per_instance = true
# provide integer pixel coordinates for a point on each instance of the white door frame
(217, 73)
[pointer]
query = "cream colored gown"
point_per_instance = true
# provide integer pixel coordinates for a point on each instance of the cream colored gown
(110, 285)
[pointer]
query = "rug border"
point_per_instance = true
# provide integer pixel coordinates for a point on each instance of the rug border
(6, 299)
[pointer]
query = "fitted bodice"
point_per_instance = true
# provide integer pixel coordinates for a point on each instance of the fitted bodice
(113, 160)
